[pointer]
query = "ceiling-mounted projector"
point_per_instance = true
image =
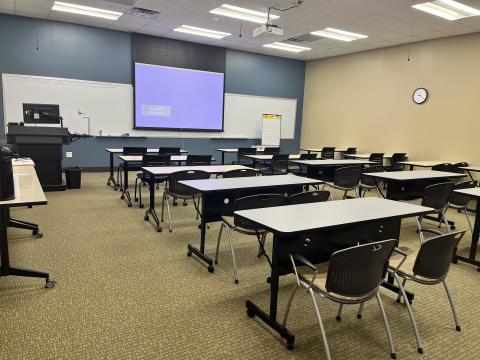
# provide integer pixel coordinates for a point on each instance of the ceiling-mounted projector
(268, 29)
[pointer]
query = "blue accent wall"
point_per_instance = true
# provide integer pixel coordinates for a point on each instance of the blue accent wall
(88, 53)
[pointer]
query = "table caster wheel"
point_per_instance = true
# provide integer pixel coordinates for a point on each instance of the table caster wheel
(454, 261)
(141, 206)
(250, 313)
(39, 235)
(146, 217)
(130, 205)
(290, 346)
(49, 283)
(189, 253)
(211, 269)
(136, 199)
(175, 203)
(30, 206)
(269, 280)
(122, 197)
(115, 188)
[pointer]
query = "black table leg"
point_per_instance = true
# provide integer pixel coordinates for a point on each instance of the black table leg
(271, 318)
(111, 178)
(471, 259)
(151, 207)
(223, 158)
(5, 268)
(125, 193)
(203, 231)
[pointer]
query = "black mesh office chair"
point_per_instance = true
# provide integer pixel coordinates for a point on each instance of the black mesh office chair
(346, 179)
(436, 196)
(394, 162)
(169, 151)
(456, 167)
(177, 190)
(199, 160)
(271, 150)
(328, 153)
(278, 165)
(350, 151)
(301, 170)
(459, 201)
(150, 160)
(367, 182)
(246, 227)
(427, 266)
(377, 158)
(443, 167)
(132, 166)
(241, 159)
(308, 197)
(352, 276)
(240, 173)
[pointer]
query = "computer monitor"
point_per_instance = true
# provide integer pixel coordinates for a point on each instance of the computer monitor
(41, 114)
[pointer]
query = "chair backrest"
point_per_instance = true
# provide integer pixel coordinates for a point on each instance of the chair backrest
(436, 196)
(458, 199)
(155, 160)
(351, 151)
(358, 271)
(176, 188)
(240, 173)
(169, 151)
(456, 167)
(134, 150)
(245, 151)
(376, 158)
(271, 150)
(255, 202)
(308, 197)
(312, 156)
(435, 255)
(279, 161)
(328, 152)
(443, 167)
(347, 177)
(193, 160)
(368, 180)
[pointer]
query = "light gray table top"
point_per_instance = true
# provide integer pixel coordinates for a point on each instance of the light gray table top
(413, 175)
(473, 192)
(28, 190)
(470, 168)
(212, 169)
(330, 214)
(248, 182)
(340, 162)
(339, 150)
(367, 156)
(270, 157)
(137, 158)
(153, 150)
(423, 163)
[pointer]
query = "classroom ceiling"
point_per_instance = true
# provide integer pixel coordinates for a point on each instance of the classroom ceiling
(386, 22)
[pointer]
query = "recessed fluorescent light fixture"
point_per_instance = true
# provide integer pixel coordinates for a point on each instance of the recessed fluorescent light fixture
(202, 32)
(243, 14)
(86, 10)
(287, 47)
(338, 34)
(447, 9)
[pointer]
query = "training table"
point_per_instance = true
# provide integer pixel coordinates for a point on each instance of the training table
(28, 192)
(325, 169)
(306, 229)
(422, 163)
(470, 169)
(113, 151)
(232, 151)
(266, 158)
(219, 195)
(474, 193)
(319, 150)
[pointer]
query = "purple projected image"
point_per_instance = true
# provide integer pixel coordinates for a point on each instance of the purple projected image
(180, 99)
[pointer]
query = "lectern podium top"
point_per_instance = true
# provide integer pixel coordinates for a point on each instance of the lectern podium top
(37, 135)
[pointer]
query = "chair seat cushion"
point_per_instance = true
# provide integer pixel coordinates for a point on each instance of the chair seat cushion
(228, 220)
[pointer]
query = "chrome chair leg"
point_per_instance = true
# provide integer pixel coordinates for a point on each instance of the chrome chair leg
(410, 312)
(360, 310)
(135, 195)
(418, 219)
(261, 247)
(339, 312)
(454, 312)
(168, 214)
(235, 277)
(399, 297)
(393, 355)
(163, 205)
(320, 324)
(444, 219)
(218, 242)
(289, 304)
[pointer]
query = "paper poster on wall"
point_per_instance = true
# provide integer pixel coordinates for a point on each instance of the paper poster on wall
(271, 129)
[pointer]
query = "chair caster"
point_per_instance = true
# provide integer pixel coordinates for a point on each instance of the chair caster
(49, 283)
(211, 269)
(189, 253)
(216, 262)
(338, 318)
(159, 229)
(269, 280)
(136, 199)
(185, 203)
(420, 350)
(454, 261)
(108, 183)
(175, 203)
(122, 197)
(130, 205)
(141, 206)
(251, 314)
(458, 328)
(236, 281)
(37, 234)
(146, 218)
(393, 355)
(359, 316)
(115, 188)
(398, 301)
(290, 346)
(478, 269)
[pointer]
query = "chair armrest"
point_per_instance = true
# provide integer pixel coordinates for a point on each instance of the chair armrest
(402, 253)
(436, 232)
(302, 260)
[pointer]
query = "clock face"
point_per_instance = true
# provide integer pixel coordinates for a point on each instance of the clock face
(420, 95)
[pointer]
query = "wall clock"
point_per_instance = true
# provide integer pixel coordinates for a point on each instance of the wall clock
(420, 95)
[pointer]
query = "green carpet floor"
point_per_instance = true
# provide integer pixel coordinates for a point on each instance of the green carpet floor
(125, 291)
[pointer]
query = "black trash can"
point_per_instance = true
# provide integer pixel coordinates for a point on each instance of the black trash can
(73, 176)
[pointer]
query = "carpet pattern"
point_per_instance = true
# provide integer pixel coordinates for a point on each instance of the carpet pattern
(125, 291)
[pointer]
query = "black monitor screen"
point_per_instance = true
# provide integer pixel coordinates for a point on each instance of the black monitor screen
(41, 114)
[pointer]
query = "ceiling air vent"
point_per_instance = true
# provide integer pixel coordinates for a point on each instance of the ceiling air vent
(302, 39)
(123, 2)
(145, 13)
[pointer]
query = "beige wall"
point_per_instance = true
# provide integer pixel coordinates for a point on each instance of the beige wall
(364, 100)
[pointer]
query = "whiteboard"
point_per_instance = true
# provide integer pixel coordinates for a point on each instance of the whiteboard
(271, 130)
(110, 108)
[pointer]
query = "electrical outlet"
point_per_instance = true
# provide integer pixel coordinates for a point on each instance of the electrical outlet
(69, 154)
